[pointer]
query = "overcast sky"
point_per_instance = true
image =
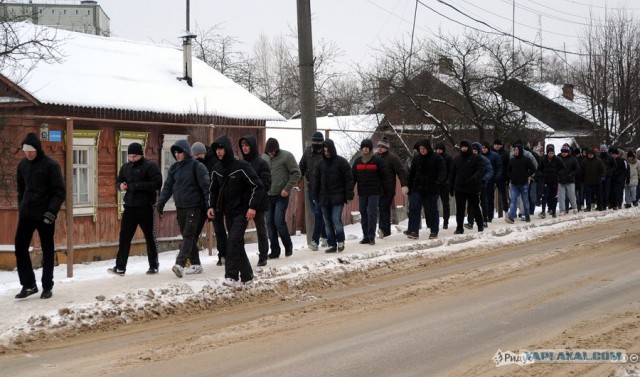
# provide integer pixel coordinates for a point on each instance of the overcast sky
(357, 26)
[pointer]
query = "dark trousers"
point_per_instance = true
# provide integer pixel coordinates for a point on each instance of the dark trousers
(590, 191)
(385, 214)
(221, 235)
(263, 236)
(617, 194)
(428, 203)
(579, 195)
(446, 208)
(470, 201)
(237, 262)
(549, 197)
(483, 208)
(131, 218)
(502, 196)
(188, 221)
(318, 220)
(604, 193)
(24, 234)
(533, 196)
(368, 206)
(332, 214)
(277, 224)
(490, 195)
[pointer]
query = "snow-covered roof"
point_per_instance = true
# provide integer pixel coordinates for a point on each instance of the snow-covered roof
(346, 132)
(107, 72)
(580, 104)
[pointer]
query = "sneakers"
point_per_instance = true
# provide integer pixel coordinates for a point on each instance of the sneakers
(193, 269)
(468, 226)
(445, 226)
(220, 261)
(228, 282)
(178, 270)
(323, 242)
(46, 294)
(459, 231)
(273, 256)
(115, 271)
(412, 236)
(246, 283)
(542, 215)
(508, 220)
(330, 250)
(340, 246)
(152, 271)
(288, 252)
(313, 246)
(364, 241)
(372, 242)
(433, 236)
(263, 261)
(26, 292)
(381, 233)
(527, 219)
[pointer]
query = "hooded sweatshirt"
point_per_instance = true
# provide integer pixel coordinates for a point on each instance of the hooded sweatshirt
(333, 181)
(520, 167)
(187, 180)
(40, 183)
(467, 171)
(259, 165)
(428, 172)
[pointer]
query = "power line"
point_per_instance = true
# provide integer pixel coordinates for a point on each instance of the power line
(598, 6)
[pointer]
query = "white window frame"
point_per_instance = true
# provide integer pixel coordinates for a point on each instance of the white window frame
(87, 140)
(123, 140)
(166, 160)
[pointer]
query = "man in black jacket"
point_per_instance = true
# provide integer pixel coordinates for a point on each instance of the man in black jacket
(549, 171)
(236, 193)
(567, 181)
(249, 149)
(441, 149)
(427, 175)
(310, 158)
(41, 193)
(619, 176)
(140, 180)
(369, 175)
(332, 188)
(188, 182)
(464, 183)
(393, 168)
(503, 183)
(519, 171)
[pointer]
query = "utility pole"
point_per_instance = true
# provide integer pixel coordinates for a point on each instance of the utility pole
(307, 92)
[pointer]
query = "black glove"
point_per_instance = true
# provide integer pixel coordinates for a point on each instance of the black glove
(49, 218)
(160, 209)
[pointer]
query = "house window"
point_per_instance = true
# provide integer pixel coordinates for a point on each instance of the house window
(124, 138)
(85, 162)
(166, 160)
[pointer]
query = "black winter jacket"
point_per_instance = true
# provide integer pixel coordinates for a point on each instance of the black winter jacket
(308, 162)
(143, 179)
(333, 181)
(428, 173)
(40, 183)
(235, 186)
(392, 167)
(571, 170)
(520, 167)
(259, 165)
(621, 174)
(549, 170)
(593, 171)
(369, 176)
(187, 181)
(466, 173)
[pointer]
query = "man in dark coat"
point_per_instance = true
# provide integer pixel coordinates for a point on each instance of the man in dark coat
(498, 173)
(393, 168)
(464, 183)
(594, 173)
(236, 193)
(188, 182)
(441, 149)
(369, 175)
(610, 165)
(41, 193)
(502, 184)
(519, 170)
(140, 179)
(332, 188)
(249, 149)
(427, 175)
(618, 178)
(567, 181)
(549, 172)
(476, 148)
(311, 156)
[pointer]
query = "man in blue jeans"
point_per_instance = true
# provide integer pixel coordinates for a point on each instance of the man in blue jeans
(285, 173)
(369, 174)
(312, 155)
(332, 188)
(520, 170)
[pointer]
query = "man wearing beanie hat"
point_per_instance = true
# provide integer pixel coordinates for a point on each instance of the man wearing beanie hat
(41, 193)
(618, 179)
(310, 158)
(441, 150)
(630, 188)
(369, 175)
(466, 175)
(285, 173)
(549, 171)
(393, 168)
(502, 181)
(139, 179)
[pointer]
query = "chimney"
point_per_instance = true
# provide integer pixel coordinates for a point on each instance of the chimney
(384, 88)
(567, 91)
(186, 50)
(445, 66)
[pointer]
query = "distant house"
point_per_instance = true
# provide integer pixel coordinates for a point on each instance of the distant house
(563, 108)
(107, 93)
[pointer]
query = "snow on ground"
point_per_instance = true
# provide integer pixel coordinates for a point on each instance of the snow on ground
(94, 297)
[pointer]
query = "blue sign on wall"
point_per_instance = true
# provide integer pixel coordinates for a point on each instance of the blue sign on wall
(55, 136)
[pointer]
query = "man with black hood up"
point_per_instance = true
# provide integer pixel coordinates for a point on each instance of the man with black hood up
(41, 193)
(249, 149)
(310, 158)
(501, 184)
(441, 149)
(519, 171)
(466, 175)
(236, 193)
(549, 171)
(393, 168)
(369, 174)
(427, 175)
(476, 148)
(188, 182)
(332, 188)
(610, 164)
(594, 172)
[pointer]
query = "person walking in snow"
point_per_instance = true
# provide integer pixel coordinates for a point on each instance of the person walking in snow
(369, 174)
(466, 175)
(549, 172)
(594, 172)
(393, 168)
(630, 188)
(519, 172)
(476, 148)
(332, 189)
(41, 193)
(502, 184)
(567, 181)
(188, 182)
(140, 179)
(441, 150)
(619, 178)
(310, 158)
(236, 192)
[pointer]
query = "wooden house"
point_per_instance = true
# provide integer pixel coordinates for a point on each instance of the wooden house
(100, 95)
